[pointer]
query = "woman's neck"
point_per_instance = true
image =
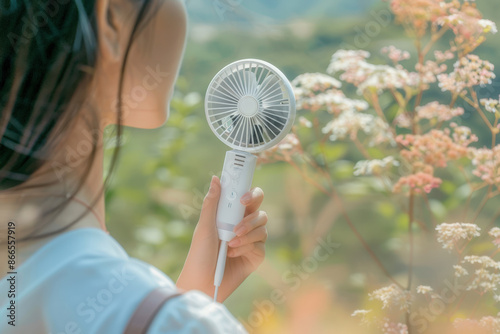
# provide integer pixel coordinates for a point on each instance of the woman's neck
(23, 208)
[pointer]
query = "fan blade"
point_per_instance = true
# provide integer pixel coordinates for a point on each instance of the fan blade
(250, 83)
(257, 133)
(271, 85)
(271, 94)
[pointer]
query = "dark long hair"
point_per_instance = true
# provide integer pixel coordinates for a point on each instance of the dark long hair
(48, 49)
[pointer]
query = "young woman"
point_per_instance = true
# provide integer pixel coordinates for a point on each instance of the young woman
(68, 69)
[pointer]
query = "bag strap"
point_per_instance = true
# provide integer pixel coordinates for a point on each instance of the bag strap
(146, 311)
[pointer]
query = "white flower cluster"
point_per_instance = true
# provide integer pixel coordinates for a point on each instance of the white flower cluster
(403, 120)
(349, 123)
(393, 296)
(305, 122)
(486, 278)
(491, 105)
(381, 77)
(488, 26)
(450, 234)
(360, 312)
(495, 233)
(460, 271)
(375, 166)
(462, 135)
(368, 76)
(342, 60)
(311, 82)
(363, 314)
(289, 143)
(485, 261)
(314, 91)
(424, 289)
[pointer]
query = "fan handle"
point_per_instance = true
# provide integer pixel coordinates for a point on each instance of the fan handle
(236, 179)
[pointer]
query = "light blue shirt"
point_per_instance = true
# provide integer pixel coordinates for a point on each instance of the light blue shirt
(83, 282)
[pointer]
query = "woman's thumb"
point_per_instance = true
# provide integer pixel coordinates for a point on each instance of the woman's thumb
(210, 202)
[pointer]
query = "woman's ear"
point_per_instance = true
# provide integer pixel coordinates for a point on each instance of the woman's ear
(113, 26)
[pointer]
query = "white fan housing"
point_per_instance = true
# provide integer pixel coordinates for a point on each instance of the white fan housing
(250, 105)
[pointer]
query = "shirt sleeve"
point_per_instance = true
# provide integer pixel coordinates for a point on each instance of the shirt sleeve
(194, 312)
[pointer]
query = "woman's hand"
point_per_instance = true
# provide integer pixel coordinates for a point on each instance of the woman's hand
(245, 252)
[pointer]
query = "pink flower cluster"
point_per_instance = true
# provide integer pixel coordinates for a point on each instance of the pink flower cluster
(289, 146)
(390, 327)
(463, 19)
(468, 26)
(485, 325)
(417, 15)
(418, 182)
(443, 56)
(434, 148)
(487, 164)
(430, 70)
(468, 72)
(395, 54)
(437, 111)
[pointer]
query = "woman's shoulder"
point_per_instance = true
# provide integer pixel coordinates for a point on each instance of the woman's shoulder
(86, 280)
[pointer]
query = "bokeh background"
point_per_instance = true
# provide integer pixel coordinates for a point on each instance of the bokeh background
(155, 198)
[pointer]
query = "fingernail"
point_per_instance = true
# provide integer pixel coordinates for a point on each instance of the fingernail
(245, 198)
(239, 230)
(234, 242)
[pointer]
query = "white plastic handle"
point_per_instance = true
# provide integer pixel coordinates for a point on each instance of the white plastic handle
(236, 179)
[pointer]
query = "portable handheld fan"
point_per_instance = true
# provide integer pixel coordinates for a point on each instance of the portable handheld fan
(250, 107)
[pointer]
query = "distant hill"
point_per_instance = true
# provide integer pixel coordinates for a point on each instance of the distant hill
(218, 11)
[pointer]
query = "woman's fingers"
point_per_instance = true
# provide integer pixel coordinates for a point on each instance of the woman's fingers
(258, 247)
(257, 234)
(252, 199)
(251, 222)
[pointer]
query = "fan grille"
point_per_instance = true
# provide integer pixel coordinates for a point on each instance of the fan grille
(250, 105)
